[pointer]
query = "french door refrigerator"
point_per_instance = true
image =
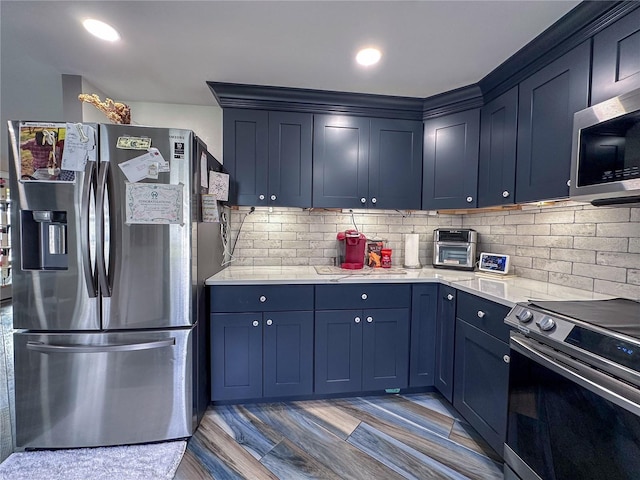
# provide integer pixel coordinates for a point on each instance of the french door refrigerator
(109, 307)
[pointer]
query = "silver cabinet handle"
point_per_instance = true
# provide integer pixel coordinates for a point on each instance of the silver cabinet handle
(363, 200)
(261, 197)
(506, 358)
(469, 199)
(369, 319)
(357, 319)
(263, 299)
(481, 314)
(255, 323)
(120, 347)
(364, 296)
(449, 297)
(273, 197)
(374, 200)
(269, 322)
(505, 194)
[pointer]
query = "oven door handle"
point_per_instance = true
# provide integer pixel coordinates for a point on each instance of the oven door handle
(616, 391)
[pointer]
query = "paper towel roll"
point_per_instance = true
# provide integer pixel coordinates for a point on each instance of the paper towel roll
(411, 250)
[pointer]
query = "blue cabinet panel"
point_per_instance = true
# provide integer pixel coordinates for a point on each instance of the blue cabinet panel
(547, 101)
(340, 161)
(616, 59)
(481, 383)
(236, 356)
(497, 163)
(445, 341)
(260, 298)
(338, 351)
(368, 295)
(483, 314)
(450, 169)
(288, 354)
(424, 303)
(385, 349)
(395, 164)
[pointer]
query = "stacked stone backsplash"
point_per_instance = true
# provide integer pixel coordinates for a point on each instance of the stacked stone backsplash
(567, 243)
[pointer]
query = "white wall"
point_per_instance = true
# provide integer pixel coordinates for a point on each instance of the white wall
(205, 121)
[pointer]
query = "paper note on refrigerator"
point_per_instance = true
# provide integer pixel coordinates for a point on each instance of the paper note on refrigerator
(210, 212)
(149, 203)
(141, 167)
(79, 146)
(219, 185)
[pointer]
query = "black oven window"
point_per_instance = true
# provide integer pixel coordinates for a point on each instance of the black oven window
(565, 432)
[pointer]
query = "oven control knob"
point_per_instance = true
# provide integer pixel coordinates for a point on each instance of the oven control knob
(524, 316)
(546, 324)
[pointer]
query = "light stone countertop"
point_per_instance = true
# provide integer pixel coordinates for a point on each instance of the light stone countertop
(504, 290)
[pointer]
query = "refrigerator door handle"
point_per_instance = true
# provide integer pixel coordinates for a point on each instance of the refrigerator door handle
(103, 278)
(121, 347)
(88, 185)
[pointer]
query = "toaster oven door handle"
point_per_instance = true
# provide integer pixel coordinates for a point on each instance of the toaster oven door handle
(607, 387)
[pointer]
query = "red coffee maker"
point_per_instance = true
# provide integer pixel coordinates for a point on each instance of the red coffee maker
(351, 245)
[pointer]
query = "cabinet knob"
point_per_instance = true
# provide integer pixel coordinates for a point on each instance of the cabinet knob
(369, 319)
(505, 194)
(357, 319)
(263, 299)
(261, 197)
(273, 197)
(374, 200)
(449, 297)
(506, 359)
(255, 323)
(469, 199)
(569, 183)
(363, 200)
(269, 322)
(364, 296)
(481, 314)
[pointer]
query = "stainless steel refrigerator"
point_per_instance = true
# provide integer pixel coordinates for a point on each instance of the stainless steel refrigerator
(111, 346)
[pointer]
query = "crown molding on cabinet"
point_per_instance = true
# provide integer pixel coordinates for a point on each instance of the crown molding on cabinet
(261, 97)
(453, 101)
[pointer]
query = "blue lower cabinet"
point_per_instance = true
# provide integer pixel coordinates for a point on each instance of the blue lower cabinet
(445, 341)
(481, 382)
(361, 350)
(261, 354)
(422, 366)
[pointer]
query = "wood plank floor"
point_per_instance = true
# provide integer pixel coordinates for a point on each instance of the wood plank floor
(416, 436)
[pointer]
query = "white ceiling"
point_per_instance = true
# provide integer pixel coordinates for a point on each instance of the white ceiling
(169, 49)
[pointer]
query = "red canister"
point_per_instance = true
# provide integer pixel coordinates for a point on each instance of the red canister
(385, 261)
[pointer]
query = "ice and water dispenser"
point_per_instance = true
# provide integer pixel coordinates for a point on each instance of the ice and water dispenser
(44, 240)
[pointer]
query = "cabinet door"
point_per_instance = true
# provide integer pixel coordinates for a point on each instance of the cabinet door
(288, 354)
(481, 383)
(338, 351)
(616, 59)
(245, 144)
(424, 304)
(236, 356)
(385, 351)
(395, 164)
(290, 148)
(497, 163)
(450, 173)
(340, 161)
(445, 340)
(548, 100)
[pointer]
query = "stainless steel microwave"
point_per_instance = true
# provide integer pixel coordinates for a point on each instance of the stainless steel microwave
(605, 164)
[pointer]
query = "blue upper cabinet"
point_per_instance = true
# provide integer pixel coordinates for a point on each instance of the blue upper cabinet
(340, 161)
(366, 163)
(497, 164)
(395, 164)
(547, 101)
(268, 155)
(450, 170)
(616, 58)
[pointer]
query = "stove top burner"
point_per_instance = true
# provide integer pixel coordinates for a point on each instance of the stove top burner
(617, 314)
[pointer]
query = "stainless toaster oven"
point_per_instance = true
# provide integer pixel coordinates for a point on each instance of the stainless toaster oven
(455, 248)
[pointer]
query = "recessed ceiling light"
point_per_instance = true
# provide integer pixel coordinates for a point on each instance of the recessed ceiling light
(368, 56)
(101, 30)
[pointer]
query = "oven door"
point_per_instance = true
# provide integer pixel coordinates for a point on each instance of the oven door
(568, 421)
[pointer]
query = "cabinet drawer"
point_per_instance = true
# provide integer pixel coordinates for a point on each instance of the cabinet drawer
(260, 298)
(338, 297)
(483, 314)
